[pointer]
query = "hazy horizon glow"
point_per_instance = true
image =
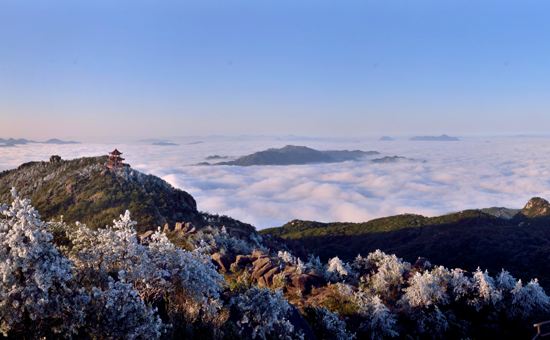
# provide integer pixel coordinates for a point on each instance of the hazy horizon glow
(136, 69)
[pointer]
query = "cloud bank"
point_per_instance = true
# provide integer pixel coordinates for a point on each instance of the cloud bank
(472, 173)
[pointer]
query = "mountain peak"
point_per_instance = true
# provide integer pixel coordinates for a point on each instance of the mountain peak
(536, 207)
(298, 155)
(295, 147)
(85, 190)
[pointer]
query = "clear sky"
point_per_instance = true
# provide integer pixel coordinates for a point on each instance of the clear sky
(166, 68)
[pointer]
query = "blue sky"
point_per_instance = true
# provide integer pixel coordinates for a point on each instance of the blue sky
(161, 68)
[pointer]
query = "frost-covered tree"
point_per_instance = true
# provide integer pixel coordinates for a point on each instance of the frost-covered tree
(119, 313)
(174, 271)
(338, 270)
(528, 300)
(360, 264)
(327, 325)
(460, 285)
(388, 274)
(212, 239)
(314, 264)
(423, 298)
(486, 292)
(289, 259)
(264, 314)
(286, 257)
(38, 295)
(100, 254)
(428, 288)
(301, 267)
(157, 270)
(379, 322)
(505, 281)
(430, 322)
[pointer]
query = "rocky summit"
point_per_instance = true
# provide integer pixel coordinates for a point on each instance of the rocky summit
(536, 207)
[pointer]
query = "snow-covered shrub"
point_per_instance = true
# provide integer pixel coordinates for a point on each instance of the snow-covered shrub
(314, 264)
(339, 299)
(426, 294)
(505, 281)
(175, 270)
(327, 325)
(461, 286)
(528, 300)
(379, 322)
(38, 295)
(99, 254)
(264, 314)
(286, 257)
(157, 270)
(229, 244)
(428, 288)
(292, 260)
(360, 264)
(119, 313)
(430, 322)
(337, 270)
(388, 274)
(211, 239)
(486, 292)
(301, 267)
(344, 289)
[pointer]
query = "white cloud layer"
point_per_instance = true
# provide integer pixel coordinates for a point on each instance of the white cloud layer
(473, 173)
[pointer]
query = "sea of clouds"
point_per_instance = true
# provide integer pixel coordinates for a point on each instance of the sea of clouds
(472, 173)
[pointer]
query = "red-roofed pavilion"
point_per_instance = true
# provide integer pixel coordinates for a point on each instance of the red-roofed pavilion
(115, 160)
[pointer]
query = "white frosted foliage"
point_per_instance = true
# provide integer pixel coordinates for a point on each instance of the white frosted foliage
(264, 315)
(37, 293)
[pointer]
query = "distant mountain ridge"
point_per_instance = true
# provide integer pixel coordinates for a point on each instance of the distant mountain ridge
(493, 238)
(158, 142)
(164, 144)
(394, 159)
(22, 141)
(442, 138)
(298, 155)
(59, 141)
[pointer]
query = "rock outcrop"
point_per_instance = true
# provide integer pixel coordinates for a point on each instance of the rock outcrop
(222, 262)
(271, 272)
(536, 207)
